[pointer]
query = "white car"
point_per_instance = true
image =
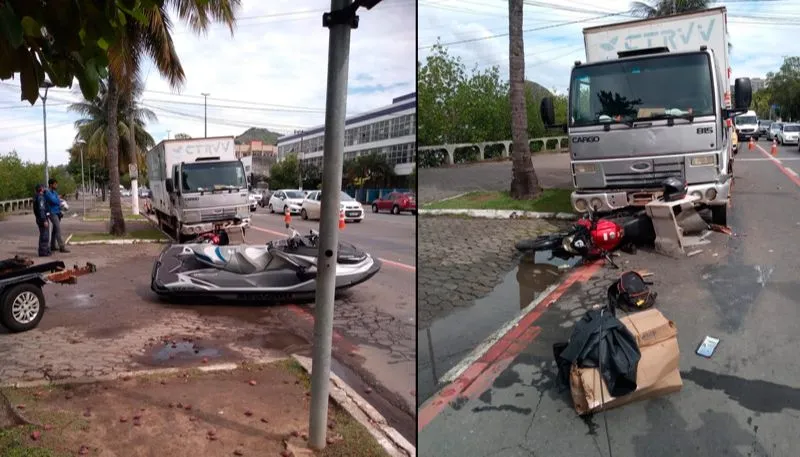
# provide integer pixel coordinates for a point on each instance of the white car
(286, 198)
(312, 205)
(788, 134)
(253, 200)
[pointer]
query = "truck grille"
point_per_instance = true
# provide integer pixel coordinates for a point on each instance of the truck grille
(209, 215)
(653, 178)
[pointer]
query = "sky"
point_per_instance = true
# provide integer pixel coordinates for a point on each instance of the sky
(759, 31)
(272, 73)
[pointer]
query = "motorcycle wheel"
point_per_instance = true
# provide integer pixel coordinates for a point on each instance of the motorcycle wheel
(541, 243)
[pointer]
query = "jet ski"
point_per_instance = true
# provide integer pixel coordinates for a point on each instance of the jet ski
(281, 270)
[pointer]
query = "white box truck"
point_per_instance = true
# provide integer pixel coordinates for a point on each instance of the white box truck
(653, 101)
(198, 186)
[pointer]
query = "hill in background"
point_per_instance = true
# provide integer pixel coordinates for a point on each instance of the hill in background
(254, 133)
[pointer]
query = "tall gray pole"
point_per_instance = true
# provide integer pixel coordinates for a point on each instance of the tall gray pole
(205, 113)
(300, 162)
(44, 117)
(83, 183)
(335, 109)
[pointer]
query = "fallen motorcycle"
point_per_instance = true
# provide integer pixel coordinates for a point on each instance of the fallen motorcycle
(281, 270)
(593, 237)
(22, 302)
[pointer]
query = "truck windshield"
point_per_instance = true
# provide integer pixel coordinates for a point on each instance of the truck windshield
(624, 91)
(210, 176)
(744, 120)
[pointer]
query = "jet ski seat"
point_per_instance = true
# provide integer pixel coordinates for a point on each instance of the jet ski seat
(239, 259)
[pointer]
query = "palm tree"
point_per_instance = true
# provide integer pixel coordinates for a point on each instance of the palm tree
(524, 182)
(93, 127)
(151, 38)
(661, 8)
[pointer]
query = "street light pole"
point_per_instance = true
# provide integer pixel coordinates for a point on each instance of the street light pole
(83, 183)
(300, 158)
(46, 85)
(205, 112)
(168, 133)
(340, 21)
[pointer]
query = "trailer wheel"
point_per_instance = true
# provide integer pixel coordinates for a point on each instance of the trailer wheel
(22, 307)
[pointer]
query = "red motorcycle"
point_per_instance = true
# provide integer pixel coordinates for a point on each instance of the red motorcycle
(218, 237)
(592, 237)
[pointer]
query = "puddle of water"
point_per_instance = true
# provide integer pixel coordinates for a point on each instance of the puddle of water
(448, 340)
(182, 351)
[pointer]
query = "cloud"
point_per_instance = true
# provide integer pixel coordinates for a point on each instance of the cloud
(758, 31)
(272, 73)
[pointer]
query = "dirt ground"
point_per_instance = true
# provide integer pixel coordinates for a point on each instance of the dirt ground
(263, 412)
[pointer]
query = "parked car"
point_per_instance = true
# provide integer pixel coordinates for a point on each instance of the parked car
(144, 192)
(774, 128)
(789, 134)
(281, 199)
(312, 205)
(396, 202)
(253, 199)
(734, 142)
(763, 127)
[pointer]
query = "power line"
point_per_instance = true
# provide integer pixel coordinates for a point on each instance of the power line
(244, 108)
(245, 124)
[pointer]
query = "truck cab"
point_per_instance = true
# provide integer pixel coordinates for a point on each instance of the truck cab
(638, 115)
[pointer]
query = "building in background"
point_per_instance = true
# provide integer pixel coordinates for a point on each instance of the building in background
(390, 131)
(257, 158)
(757, 84)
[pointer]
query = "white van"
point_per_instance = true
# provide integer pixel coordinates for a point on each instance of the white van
(746, 126)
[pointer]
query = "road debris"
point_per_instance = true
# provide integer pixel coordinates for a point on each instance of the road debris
(707, 347)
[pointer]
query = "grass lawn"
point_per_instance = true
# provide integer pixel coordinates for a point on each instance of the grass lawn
(550, 201)
(102, 218)
(144, 234)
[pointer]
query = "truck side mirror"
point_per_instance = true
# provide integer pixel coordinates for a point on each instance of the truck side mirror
(743, 94)
(169, 186)
(547, 111)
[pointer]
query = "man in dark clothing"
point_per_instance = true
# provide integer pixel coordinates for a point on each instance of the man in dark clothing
(54, 203)
(42, 213)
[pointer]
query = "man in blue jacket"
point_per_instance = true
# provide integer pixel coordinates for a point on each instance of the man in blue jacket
(42, 213)
(54, 203)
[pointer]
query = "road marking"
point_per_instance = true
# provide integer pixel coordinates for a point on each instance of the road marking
(386, 261)
(501, 349)
(791, 171)
(789, 174)
(765, 159)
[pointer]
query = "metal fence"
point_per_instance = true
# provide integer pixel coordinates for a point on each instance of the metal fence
(370, 195)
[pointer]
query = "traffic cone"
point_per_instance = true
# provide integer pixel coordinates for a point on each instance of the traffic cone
(751, 144)
(287, 216)
(774, 148)
(341, 220)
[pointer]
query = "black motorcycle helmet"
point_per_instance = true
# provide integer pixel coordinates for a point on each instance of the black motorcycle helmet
(674, 189)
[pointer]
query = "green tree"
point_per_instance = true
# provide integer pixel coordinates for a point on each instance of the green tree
(661, 8)
(137, 40)
(283, 174)
(784, 87)
(18, 178)
(93, 127)
(371, 170)
(182, 136)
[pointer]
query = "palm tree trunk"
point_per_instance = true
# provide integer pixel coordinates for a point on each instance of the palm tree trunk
(117, 226)
(524, 183)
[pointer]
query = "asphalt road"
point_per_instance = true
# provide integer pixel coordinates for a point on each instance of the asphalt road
(442, 182)
(743, 401)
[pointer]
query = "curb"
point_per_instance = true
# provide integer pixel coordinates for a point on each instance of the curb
(499, 214)
(355, 405)
(118, 242)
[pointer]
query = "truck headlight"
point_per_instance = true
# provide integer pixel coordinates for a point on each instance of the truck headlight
(585, 168)
(703, 161)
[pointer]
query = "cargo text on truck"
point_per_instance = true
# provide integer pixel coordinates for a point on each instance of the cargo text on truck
(653, 101)
(198, 186)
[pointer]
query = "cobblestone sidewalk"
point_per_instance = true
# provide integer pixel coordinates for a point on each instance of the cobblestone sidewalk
(463, 259)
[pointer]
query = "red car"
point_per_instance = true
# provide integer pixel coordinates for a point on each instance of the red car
(396, 202)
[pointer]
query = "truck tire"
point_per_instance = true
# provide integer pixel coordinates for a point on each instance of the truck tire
(719, 214)
(22, 307)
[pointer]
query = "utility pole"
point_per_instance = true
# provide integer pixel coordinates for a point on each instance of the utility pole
(205, 112)
(82, 145)
(46, 85)
(300, 158)
(340, 21)
(168, 133)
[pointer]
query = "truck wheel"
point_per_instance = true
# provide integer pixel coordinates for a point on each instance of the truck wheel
(271, 209)
(22, 307)
(719, 214)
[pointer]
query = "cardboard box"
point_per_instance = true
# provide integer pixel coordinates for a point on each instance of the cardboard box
(657, 373)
